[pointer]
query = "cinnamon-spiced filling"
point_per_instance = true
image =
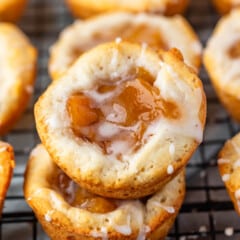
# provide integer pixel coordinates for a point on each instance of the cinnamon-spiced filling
(234, 50)
(116, 116)
(80, 198)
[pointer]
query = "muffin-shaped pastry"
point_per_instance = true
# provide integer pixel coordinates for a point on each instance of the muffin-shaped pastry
(123, 120)
(11, 10)
(18, 66)
(6, 169)
(225, 6)
(222, 60)
(229, 168)
(88, 8)
(155, 31)
(67, 211)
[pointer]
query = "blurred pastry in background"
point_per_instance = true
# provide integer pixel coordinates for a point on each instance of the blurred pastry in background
(67, 211)
(225, 6)
(229, 168)
(222, 61)
(88, 8)
(158, 32)
(11, 10)
(7, 164)
(18, 59)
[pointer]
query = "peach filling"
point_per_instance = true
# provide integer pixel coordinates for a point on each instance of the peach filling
(80, 198)
(117, 116)
(140, 33)
(144, 34)
(234, 51)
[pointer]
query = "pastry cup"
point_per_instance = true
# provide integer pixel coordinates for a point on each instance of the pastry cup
(68, 212)
(155, 31)
(85, 9)
(137, 142)
(222, 59)
(6, 169)
(229, 168)
(225, 6)
(11, 10)
(18, 68)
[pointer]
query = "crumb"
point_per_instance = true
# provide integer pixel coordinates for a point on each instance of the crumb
(229, 231)
(170, 169)
(203, 229)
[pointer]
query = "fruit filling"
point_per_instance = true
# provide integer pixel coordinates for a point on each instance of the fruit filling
(116, 116)
(234, 50)
(80, 198)
(136, 33)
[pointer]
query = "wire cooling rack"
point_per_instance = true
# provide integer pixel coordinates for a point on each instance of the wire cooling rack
(207, 212)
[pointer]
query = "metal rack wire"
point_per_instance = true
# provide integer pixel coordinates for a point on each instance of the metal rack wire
(207, 212)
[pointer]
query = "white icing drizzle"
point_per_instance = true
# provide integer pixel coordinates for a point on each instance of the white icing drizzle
(237, 194)
(47, 216)
(53, 122)
(143, 232)
(225, 177)
(223, 161)
(169, 209)
(170, 169)
(118, 40)
(114, 60)
(189, 99)
(118, 115)
(124, 229)
(102, 233)
(172, 149)
(107, 129)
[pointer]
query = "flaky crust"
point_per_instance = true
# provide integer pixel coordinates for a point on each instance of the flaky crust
(131, 219)
(225, 6)
(18, 68)
(11, 10)
(229, 168)
(147, 170)
(222, 68)
(83, 35)
(85, 9)
(6, 170)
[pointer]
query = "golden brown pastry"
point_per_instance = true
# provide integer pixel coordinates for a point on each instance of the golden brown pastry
(155, 31)
(88, 8)
(123, 120)
(18, 67)
(222, 59)
(225, 6)
(6, 169)
(11, 10)
(67, 211)
(229, 168)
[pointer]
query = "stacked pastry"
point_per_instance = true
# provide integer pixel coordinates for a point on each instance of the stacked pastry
(117, 128)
